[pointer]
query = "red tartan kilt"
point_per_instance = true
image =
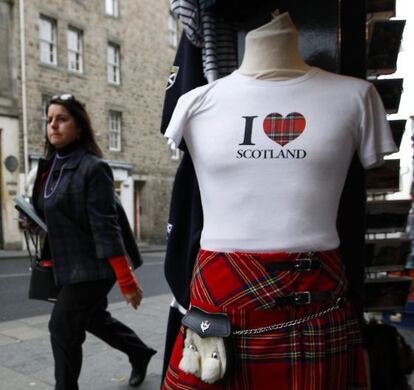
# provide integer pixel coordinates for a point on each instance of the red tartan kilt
(321, 354)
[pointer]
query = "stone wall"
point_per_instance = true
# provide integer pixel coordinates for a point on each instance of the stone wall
(141, 32)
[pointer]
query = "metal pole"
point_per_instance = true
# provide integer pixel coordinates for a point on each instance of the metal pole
(23, 82)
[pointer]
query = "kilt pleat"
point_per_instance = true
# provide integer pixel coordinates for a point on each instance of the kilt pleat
(324, 353)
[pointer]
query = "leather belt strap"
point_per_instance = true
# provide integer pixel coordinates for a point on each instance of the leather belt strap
(299, 265)
(305, 298)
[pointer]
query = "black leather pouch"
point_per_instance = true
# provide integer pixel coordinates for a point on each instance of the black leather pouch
(206, 324)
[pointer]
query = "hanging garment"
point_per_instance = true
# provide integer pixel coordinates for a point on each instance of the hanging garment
(215, 37)
(320, 353)
(186, 74)
(185, 219)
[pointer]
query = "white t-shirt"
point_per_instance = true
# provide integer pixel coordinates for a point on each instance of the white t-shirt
(271, 157)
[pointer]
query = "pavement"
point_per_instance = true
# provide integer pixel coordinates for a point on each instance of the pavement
(26, 360)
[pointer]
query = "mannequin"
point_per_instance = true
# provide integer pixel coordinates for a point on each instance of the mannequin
(271, 145)
(271, 51)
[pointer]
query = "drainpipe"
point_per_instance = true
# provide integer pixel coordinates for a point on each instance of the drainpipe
(23, 81)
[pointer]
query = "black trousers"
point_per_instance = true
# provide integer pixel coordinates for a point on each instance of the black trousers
(82, 307)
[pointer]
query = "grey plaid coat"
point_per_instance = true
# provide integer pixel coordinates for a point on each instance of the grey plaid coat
(86, 222)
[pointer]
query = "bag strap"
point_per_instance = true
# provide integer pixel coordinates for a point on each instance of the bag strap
(31, 238)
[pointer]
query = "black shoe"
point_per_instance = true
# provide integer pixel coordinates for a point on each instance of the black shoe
(139, 368)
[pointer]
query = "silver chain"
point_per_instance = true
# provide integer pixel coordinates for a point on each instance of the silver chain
(282, 325)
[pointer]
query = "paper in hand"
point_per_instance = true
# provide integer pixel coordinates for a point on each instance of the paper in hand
(29, 211)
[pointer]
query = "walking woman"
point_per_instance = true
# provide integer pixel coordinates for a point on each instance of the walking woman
(88, 241)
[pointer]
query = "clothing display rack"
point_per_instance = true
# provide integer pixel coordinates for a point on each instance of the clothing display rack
(387, 248)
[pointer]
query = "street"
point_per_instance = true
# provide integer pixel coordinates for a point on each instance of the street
(25, 356)
(14, 282)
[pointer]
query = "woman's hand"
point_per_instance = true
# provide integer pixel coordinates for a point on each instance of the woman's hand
(127, 282)
(135, 298)
(26, 223)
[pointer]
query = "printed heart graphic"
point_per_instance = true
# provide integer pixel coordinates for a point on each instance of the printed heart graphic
(281, 129)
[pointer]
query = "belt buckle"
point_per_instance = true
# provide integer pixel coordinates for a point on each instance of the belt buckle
(302, 298)
(303, 265)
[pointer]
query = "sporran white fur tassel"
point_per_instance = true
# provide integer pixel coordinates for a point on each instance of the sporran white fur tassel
(203, 357)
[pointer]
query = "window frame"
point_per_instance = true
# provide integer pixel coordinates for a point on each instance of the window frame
(51, 41)
(172, 30)
(115, 133)
(77, 52)
(112, 8)
(175, 154)
(113, 68)
(43, 117)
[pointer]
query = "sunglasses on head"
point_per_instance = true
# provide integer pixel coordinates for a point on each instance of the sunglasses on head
(62, 98)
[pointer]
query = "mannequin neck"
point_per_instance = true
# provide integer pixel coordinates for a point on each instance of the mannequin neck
(272, 52)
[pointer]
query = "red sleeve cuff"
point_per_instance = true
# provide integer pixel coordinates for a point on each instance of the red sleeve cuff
(124, 275)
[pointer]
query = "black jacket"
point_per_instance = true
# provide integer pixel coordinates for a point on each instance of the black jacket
(86, 222)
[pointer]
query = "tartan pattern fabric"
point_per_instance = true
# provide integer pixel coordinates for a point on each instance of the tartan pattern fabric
(321, 354)
(283, 130)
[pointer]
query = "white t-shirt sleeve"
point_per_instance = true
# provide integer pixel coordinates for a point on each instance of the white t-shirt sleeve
(180, 117)
(375, 140)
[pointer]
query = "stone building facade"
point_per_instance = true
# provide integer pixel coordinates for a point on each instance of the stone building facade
(115, 56)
